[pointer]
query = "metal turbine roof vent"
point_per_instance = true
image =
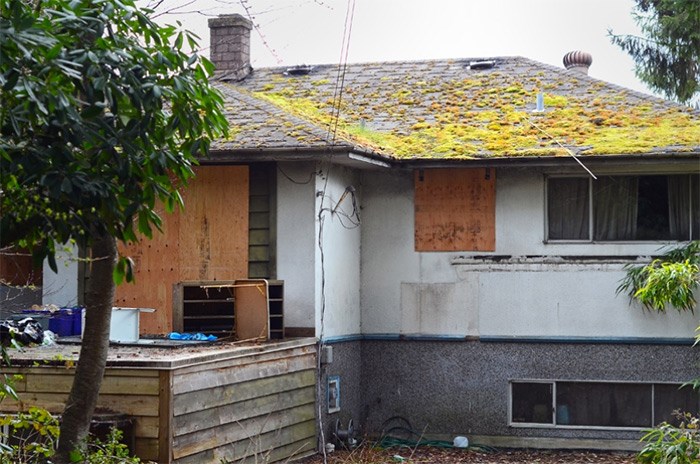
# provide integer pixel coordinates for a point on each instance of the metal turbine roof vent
(578, 61)
(301, 70)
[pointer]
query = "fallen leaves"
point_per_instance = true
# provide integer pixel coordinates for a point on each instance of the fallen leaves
(430, 455)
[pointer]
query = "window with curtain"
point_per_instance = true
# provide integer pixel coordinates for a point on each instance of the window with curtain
(624, 208)
(598, 404)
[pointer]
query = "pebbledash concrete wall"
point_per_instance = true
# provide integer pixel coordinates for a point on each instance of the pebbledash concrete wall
(347, 366)
(461, 387)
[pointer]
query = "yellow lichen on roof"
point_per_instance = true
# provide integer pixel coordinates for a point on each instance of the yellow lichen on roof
(485, 115)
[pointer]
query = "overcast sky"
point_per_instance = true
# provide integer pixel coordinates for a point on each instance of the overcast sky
(311, 31)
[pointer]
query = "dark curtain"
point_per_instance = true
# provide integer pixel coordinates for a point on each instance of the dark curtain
(695, 206)
(615, 206)
(679, 207)
(567, 208)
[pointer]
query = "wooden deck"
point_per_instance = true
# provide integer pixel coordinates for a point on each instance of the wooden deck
(195, 404)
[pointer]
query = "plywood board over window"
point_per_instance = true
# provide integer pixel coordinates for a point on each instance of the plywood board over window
(16, 268)
(455, 209)
(207, 241)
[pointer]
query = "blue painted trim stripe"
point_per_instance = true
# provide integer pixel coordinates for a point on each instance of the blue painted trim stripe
(591, 340)
(505, 339)
(396, 337)
(342, 339)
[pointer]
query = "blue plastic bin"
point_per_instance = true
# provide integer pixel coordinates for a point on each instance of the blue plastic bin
(77, 320)
(61, 322)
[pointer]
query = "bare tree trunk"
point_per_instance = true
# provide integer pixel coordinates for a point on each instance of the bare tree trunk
(99, 299)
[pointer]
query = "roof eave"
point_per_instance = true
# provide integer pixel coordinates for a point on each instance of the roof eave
(552, 161)
(344, 154)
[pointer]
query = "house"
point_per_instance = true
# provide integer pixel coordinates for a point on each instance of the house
(453, 233)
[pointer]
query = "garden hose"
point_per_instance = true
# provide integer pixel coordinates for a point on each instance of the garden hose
(388, 442)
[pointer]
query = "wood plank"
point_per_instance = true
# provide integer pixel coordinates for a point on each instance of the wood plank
(252, 311)
(212, 438)
(240, 373)
(259, 269)
(146, 427)
(259, 253)
(52, 370)
(238, 412)
(292, 442)
(455, 209)
(261, 353)
(259, 221)
(39, 382)
(260, 237)
(220, 396)
(178, 308)
(53, 402)
(165, 431)
(134, 405)
(147, 450)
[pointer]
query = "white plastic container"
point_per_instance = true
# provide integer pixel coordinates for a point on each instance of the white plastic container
(460, 442)
(124, 324)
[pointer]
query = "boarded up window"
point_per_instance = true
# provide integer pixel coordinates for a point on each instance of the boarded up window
(16, 268)
(455, 209)
(206, 241)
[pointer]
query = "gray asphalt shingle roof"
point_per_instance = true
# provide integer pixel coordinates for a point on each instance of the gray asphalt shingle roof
(449, 109)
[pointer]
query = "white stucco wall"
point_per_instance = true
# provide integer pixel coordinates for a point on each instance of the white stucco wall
(296, 241)
(338, 282)
(445, 294)
(61, 288)
(311, 289)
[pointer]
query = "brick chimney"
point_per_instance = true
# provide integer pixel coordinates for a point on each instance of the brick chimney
(230, 46)
(578, 61)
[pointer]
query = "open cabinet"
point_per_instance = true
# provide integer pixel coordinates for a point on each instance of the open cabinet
(244, 308)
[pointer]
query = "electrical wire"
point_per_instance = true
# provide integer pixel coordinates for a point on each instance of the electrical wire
(330, 139)
(342, 69)
(307, 181)
(246, 8)
(567, 149)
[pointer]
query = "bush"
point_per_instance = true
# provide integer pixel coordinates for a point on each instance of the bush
(669, 444)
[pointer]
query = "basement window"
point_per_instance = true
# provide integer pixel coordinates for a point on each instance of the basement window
(598, 404)
(624, 208)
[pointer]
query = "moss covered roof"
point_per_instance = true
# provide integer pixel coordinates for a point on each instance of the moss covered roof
(449, 109)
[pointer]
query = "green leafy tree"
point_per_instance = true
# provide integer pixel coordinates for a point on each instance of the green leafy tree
(667, 57)
(102, 114)
(667, 281)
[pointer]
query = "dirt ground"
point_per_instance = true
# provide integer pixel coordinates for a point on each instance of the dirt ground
(428, 455)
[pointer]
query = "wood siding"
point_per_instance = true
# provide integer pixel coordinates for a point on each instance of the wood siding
(261, 250)
(127, 391)
(16, 268)
(247, 403)
(253, 409)
(206, 241)
(455, 209)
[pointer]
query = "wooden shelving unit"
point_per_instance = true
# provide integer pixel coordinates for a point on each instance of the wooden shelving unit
(275, 294)
(245, 308)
